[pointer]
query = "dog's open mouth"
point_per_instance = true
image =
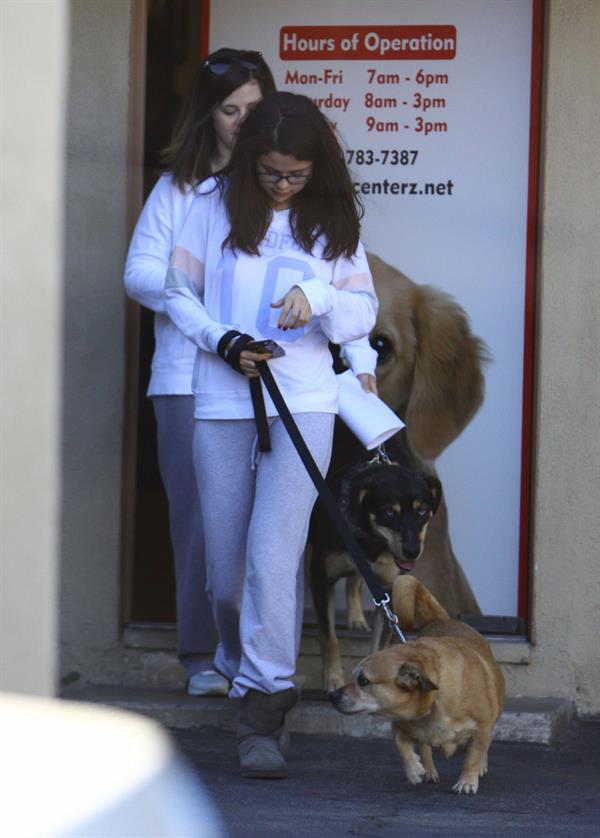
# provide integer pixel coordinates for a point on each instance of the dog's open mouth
(405, 565)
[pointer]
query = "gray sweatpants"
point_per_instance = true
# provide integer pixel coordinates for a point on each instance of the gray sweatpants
(256, 509)
(196, 631)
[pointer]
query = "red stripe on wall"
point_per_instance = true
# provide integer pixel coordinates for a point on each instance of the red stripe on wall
(530, 313)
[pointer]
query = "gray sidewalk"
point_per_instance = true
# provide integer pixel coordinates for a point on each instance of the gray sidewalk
(342, 786)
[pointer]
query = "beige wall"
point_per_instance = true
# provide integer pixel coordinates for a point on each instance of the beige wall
(33, 59)
(95, 249)
(566, 546)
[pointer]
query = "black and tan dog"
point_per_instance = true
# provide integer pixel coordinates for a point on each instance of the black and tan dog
(388, 508)
(444, 690)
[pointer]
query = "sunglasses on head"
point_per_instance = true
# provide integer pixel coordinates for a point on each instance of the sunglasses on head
(219, 66)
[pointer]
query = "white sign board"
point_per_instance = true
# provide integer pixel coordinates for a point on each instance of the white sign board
(432, 100)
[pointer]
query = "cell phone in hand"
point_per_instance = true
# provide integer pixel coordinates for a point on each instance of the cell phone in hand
(269, 346)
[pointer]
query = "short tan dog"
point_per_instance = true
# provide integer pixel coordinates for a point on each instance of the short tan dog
(444, 690)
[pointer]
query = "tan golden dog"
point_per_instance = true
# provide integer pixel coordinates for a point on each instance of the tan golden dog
(430, 373)
(444, 690)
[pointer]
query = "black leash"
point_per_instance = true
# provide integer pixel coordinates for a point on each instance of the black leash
(260, 415)
(380, 598)
(230, 347)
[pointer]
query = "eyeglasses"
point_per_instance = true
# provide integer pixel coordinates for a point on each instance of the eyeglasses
(219, 65)
(274, 177)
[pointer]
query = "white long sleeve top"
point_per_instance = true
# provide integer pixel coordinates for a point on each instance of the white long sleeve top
(154, 238)
(210, 291)
(156, 232)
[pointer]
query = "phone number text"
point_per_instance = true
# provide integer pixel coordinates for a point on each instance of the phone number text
(391, 157)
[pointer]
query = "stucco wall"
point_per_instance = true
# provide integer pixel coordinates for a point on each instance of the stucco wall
(566, 547)
(33, 61)
(95, 248)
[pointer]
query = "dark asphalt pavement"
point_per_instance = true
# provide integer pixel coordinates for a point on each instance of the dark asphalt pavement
(343, 786)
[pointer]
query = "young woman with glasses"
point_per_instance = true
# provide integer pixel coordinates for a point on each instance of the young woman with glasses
(228, 83)
(271, 253)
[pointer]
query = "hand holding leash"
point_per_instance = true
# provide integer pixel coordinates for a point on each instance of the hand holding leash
(258, 350)
(248, 361)
(232, 349)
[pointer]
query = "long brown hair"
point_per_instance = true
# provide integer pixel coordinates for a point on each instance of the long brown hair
(193, 142)
(326, 207)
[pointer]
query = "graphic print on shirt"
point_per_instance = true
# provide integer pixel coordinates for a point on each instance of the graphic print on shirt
(278, 275)
(282, 272)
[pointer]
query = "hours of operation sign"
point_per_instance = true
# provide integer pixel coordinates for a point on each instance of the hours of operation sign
(432, 102)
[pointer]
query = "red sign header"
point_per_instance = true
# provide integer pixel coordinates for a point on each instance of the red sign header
(397, 43)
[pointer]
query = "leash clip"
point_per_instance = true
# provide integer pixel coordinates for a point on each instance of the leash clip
(380, 457)
(392, 619)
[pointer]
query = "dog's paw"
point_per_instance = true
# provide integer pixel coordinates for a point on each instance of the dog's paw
(333, 681)
(432, 776)
(415, 773)
(467, 784)
(484, 769)
(358, 623)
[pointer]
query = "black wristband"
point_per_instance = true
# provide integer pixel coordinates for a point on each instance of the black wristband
(225, 341)
(232, 356)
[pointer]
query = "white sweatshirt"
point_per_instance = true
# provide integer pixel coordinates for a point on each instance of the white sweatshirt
(210, 291)
(154, 238)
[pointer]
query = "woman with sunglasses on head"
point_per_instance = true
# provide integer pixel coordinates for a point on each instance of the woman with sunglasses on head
(272, 253)
(228, 83)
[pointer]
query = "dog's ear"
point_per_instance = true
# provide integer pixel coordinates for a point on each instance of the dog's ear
(411, 677)
(436, 490)
(360, 485)
(448, 384)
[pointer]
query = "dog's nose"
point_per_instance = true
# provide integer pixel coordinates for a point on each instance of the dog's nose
(411, 551)
(334, 695)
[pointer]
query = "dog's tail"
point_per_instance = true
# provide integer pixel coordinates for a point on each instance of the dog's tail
(414, 604)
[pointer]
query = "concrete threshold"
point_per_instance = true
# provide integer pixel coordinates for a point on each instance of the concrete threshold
(541, 721)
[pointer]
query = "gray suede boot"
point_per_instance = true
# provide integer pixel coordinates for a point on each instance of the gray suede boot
(261, 733)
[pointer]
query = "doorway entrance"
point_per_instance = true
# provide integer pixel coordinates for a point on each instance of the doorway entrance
(174, 32)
